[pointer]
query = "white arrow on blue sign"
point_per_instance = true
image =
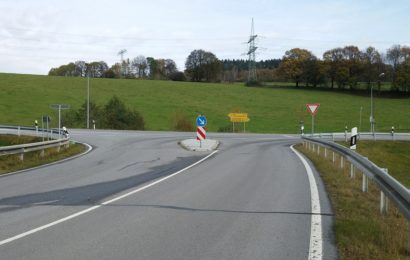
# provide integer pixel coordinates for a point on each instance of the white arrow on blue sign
(201, 121)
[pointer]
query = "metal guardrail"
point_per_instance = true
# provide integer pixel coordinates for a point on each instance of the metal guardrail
(396, 192)
(25, 148)
(367, 135)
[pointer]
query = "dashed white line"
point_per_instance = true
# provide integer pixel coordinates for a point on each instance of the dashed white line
(316, 239)
(11, 239)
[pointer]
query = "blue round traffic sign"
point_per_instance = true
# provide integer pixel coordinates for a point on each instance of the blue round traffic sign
(201, 121)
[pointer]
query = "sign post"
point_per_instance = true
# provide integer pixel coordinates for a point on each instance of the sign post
(36, 126)
(200, 131)
(239, 118)
(59, 107)
(312, 109)
(45, 119)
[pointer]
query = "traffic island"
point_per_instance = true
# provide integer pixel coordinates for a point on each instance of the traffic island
(199, 146)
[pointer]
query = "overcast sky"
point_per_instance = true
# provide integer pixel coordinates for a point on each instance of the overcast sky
(36, 35)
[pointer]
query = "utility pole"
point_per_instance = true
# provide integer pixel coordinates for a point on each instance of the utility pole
(121, 53)
(88, 100)
(251, 55)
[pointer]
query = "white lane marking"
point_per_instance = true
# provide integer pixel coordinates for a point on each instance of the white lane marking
(316, 240)
(11, 239)
(45, 202)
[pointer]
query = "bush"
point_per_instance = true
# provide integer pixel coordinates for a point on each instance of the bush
(177, 76)
(114, 115)
(180, 122)
(117, 116)
(253, 83)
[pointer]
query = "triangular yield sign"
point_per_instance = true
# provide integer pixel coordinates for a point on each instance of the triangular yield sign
(312, 108)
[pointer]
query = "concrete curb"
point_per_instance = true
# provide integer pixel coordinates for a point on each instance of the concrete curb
(194, 145)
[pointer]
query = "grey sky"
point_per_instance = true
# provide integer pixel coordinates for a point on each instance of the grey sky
(37, 35)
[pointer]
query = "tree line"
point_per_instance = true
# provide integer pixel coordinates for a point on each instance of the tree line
(343, 67)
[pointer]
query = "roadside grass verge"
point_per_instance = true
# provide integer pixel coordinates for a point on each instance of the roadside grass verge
(393, 155)
(8, 139)
(11, 163)
(361, 231)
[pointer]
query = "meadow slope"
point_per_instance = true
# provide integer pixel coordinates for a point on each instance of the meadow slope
(26, 97)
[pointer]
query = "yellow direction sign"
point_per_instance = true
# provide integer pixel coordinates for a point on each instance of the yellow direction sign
(239, 117)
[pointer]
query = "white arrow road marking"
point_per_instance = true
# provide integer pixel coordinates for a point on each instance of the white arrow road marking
(316, 240)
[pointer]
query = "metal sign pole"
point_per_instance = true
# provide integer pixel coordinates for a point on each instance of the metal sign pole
(313, 124)
(59, 121)
(42, 128)
(48, 134)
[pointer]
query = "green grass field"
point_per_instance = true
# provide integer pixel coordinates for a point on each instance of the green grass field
(26, 97)
(395, 156)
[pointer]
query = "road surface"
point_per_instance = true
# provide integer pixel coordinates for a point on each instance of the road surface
(133, 197)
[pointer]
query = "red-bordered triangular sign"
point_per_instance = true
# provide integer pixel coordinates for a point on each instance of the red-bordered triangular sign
(312, 108)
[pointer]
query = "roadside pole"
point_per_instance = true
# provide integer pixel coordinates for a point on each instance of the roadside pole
(312, 109)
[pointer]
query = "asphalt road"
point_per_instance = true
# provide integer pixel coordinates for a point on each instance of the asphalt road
(250, 200)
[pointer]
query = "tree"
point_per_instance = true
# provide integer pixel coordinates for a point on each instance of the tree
(170, 67)
(68, 70)
(352, 57)
(393, 56)
(80, 68)
(294, 63)
(403, 76)
(97, 69)
(140, 66)
(333, 59)
(202, 65)
(152, 67)
(372, 61)
(117, 116)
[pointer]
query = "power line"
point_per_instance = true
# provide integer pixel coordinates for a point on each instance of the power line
(251, 56)
(121, 53)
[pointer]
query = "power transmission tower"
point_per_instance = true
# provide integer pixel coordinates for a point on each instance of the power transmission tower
(251, 56)
(121, 53)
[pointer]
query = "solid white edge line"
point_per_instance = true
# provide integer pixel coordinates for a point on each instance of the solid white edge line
(11, 239)
(316, 239)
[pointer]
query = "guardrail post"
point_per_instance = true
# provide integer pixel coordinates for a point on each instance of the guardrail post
(59, 147)
(346, 134)
(352, 170)
(21, 156)
(18, 131)
(333, 158)
(333, 137)
(318, 150)
(341, 162)
(384, 202)
(325, 152)
(365, 183)
(42, 153)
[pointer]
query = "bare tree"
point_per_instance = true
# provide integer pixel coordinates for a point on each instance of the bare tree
(140, 66)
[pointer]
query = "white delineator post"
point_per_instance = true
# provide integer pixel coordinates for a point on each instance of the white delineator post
(200, 135)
